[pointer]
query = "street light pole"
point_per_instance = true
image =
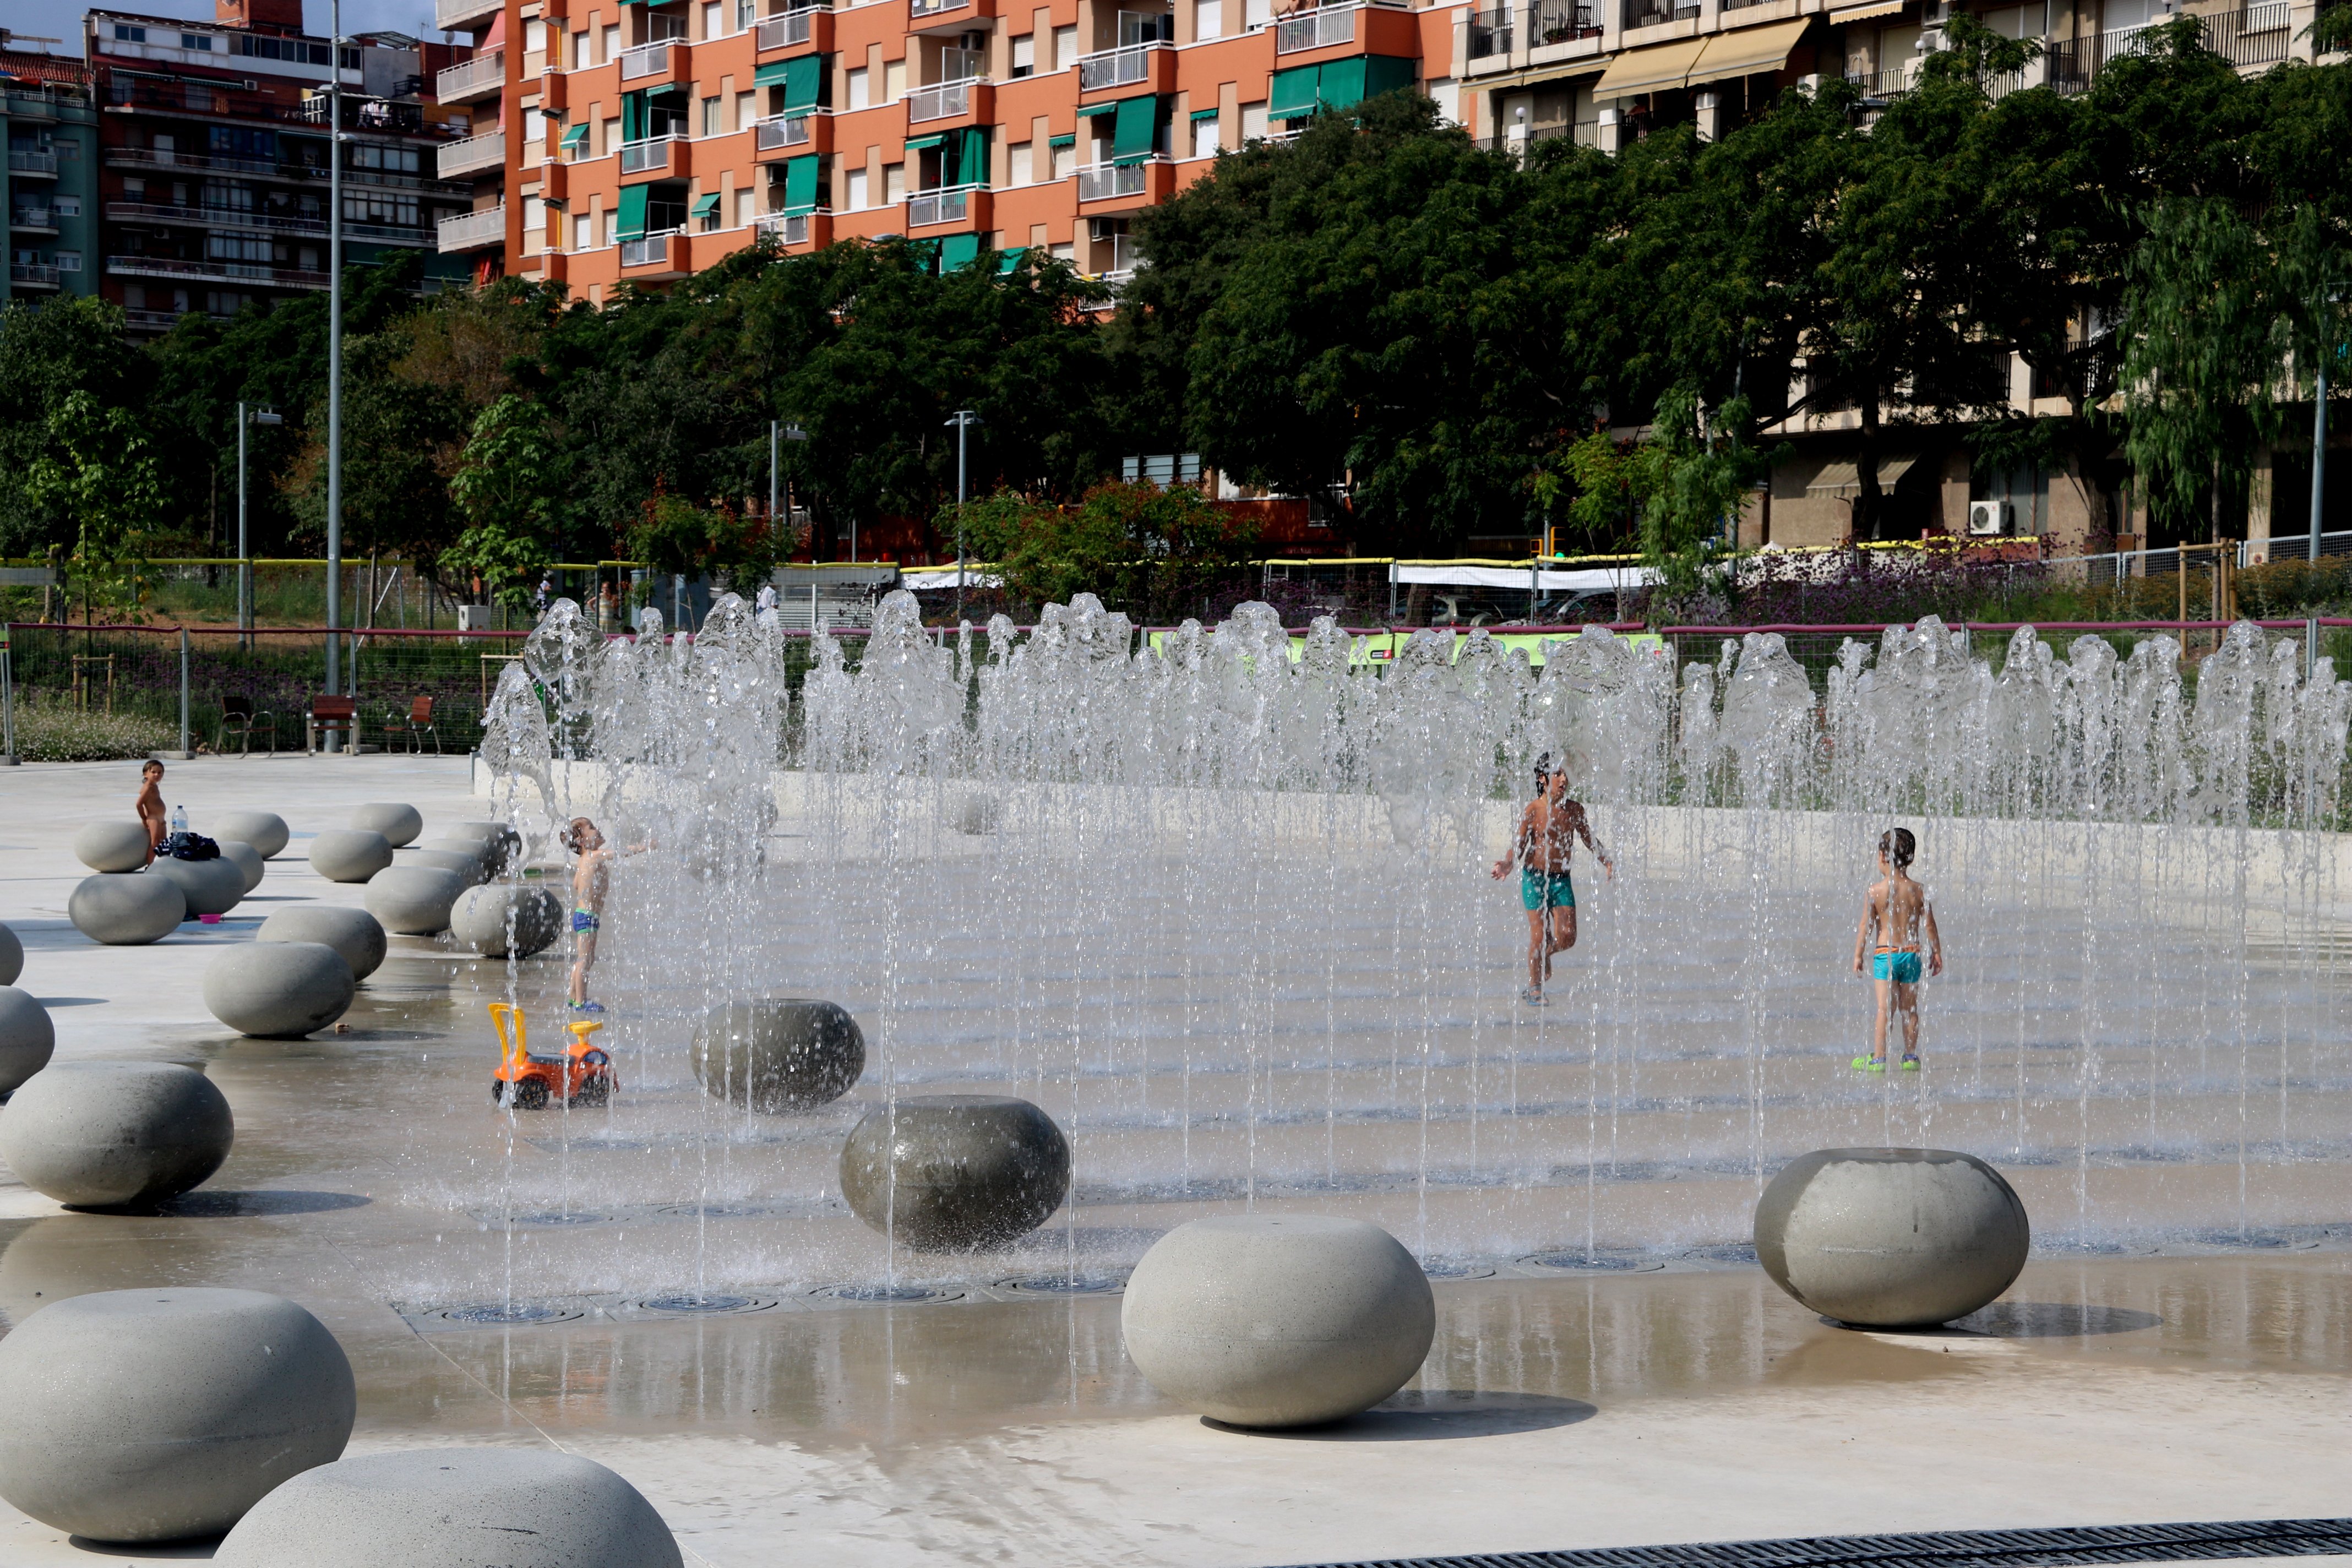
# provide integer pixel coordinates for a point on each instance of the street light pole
(335, 357)
(2318, 460)
(243, 550)
(963, 421)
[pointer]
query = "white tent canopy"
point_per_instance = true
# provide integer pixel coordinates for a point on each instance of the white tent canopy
(1586, 579)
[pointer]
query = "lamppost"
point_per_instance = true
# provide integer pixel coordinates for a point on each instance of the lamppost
(335, 359)
(2329, 296)
(243, 552)
(780, 431)
(963, 422)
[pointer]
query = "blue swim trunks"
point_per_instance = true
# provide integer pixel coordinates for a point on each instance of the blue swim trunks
(1903, 968)
(583, 921)
(1546, 890)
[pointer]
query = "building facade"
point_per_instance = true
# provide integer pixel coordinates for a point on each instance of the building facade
(213, 173)
(50, 187)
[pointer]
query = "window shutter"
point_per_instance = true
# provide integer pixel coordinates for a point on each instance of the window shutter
(1294, 93)
(800, 185)
(633, 212)
(804, 80)
(1136, 130)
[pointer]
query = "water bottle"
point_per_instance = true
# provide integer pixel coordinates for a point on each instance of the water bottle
(179, 819)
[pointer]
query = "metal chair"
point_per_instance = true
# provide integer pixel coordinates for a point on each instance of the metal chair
(239, 717)
(420, 722)
(331, 713)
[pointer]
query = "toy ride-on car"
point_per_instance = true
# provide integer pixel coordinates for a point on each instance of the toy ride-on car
(582, 1075)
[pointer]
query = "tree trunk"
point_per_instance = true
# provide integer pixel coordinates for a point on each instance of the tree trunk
(1870, 501)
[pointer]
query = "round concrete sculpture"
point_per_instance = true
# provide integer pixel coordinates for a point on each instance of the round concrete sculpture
(778, 1054)
(152, 1415)
(398, 823)
(450, 1506)
(265, 830)
(355, 933)
(414, 901)
(955, 1172)
(27, 1038)
(974, 812)
(127, 912)
(1277, 1320)
(112, 846)
(279, 990)
(466, 859)
(497, 844)
(247, 858)
(115, 1134)
(11, 957)
(210, 887)
(350, 854)
(496, 920)
(1893, 1238)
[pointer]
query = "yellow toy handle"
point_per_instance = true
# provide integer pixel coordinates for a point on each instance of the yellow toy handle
(583, 1029)
(515, 1046)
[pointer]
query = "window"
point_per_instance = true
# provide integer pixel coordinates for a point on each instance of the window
(1025, 55)
(134, 189)
(747, 109)
(611, 137)
(713, 116)
(894, 184)
(534, 215)
(583, 231)
(124, 33)
(1145, 27)
(68, 206)
(712, 27)
(1204, 137)
(1020, 169)
(1253, 121)
(607, 238)
(894, 80)
(370, 155)
(68, 261)
(1065, 251)
(227, 196)
(860, 97)
(236, 141)
(1208, 19)
(201, 41)
(534, 36)
(1066, 48)
(396, 208)
(579, 51)
(1066, 159)
(1257, 14)
(612, 45)
(853, 191)
(238, 247)
(743, 208)
(746, 13)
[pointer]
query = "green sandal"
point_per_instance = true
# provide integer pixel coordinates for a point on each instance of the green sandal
(1910, 1064)
(1870, 1064)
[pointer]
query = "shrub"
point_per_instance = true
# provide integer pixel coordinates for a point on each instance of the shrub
(56, 731)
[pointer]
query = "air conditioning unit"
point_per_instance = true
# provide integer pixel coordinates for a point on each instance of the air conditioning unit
(1988, 517)
(476, 618)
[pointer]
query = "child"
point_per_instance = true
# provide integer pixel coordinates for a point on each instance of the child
(1897, 910)
(1543, 842)
(149, 806)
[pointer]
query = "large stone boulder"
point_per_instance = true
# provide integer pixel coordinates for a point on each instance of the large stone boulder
(778, 1054)
(154, 1414)
(1890, 1237)
(505, 917)
(112, 846)
(247, 860)
(496, 843)
(210, 887)
(431, 1507)
(414, 901)
(115, 1134)
(466, 859)
(27, 1037)
(127, 912)
(265, 830)
(355, 933)
(11, 957)
(955, 1172)
(350, 854)
(400, 824)
(1277, 1320)
(279, 990)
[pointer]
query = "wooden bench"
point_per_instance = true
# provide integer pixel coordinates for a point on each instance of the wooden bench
(328, 714)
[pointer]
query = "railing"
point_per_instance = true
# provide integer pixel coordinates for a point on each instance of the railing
(471, 231)
(1891, 83)
(785, 130)
(266, 223)
(939, 102)
(1515, 141)
(1116, 68)
(1490, 33)
(35, 273)
(651, 251)
(472, 154)
(949, 203)
(934, 8)
(31, 160)
(449, 14)
(33, 217)
(792, 27)
(1104, 181)
(148, 157)
(1316, 29)
(647, 60)
(789, 228)
(636, 157)
(172, 267)
(1652, 12)
(1560, 22)
(164, 318)
(472, 75)
(2257, 35)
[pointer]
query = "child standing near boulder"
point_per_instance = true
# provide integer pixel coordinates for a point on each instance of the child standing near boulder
(1897, 912)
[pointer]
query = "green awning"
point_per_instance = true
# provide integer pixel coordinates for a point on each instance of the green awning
(972, 157)
(576, 137)
(633, 117)
(957, 251)
(1061, 141)
(1293, 97)
(1006, 260)
(925, 143)
(706, 206)
(1342, 86)
(1091, 110)
(800, 183)
(802, 78)
(1386, 73)
(1201, 114)
(1137, 131)
(771, 74)
(633, 212)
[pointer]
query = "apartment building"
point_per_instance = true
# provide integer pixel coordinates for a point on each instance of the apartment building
(50, 187)
(214, 153)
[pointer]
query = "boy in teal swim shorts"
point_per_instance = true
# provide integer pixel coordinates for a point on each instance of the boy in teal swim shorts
(1897, 912)
(1546, 836)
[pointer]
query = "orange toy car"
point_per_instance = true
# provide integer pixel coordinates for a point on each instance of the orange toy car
(582, 1075)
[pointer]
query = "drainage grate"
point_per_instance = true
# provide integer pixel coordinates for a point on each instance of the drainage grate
(1065, 1284)
(1946, 1549)
(497, 1314)
(887, 1295)
(690, 1303)
(1594, 1262)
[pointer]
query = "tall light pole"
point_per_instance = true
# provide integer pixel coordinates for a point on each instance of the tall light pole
(2329, 296)
(244, 551)
(963, 422)
(779, 431)
(335, 357)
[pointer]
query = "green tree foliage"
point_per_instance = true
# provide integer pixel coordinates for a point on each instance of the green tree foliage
(1157, 553)
(674, 536)
(99, 471)
(514, 485)
(48, 357)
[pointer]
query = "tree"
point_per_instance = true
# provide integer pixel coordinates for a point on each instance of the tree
(46, 356)
(100, 472)
(1685, 482)
(514, 485)
(674, 536)
(1157, 553)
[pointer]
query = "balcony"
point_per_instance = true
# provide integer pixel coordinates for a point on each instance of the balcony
(475, 230)
(478, 78)
(43, 220)
(32, 160)
(455, 16)
(806, 132)
(262, 223)
(1553, 22)
(648, 61)
(1490, 33)
(642, 157)
(647, 250)
(1658, 12)
(789, 228)
(789, 30)
(949, 203)
(475, 155)
(218, 272)
(1323, 29)
(1108, 182)
(32, 274)
(923, 10)
(1118, 67)
(942, 100)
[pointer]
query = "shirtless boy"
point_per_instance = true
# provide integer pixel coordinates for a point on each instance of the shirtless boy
(149, 806)
(1897, 912)
(1546, 836)
(591, 878)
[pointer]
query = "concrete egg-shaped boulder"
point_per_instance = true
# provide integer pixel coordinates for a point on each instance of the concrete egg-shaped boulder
(27, 1037)
(112, 846)
(355, 933)
(210, 887)
(503, 918)
(127, 912)
(115, 1134)
(279, 990)
(134, 1415)
(497, 844)
(466, 859)
(248, 861)
(265, 830)
(398, 822)
(1891, 1238)
(350, 854)
(1277, 1320)
(955, 1172)
(414, 901)
(430, 1507)
(11, 957)
(778, 1054)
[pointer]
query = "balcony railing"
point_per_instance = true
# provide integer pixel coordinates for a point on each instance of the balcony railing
(649, 59)
(472, 231)
(1891, 83)
(242, 272)
(949, 203)
(789, 228)
(2256, 36)
(150, 157)
(482, 74)
(260, 221)
(450, 15)
(650, 250)
(1116, 68)
(785, 130)
(1490, 33)
(33, 217)
(473, 155)
(792, 27)
(920, 8)
(1316, 29)
(1103, 182)
(31, 160)
(636, 157)
(1560, 22)
(941, 101)
(1652, 12)
(36, 274)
